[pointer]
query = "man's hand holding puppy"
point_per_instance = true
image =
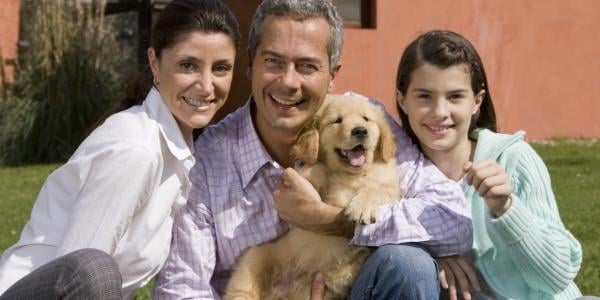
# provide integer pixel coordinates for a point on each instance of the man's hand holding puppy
(299, 203)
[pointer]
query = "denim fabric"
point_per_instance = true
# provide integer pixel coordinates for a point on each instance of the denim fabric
(404, 271)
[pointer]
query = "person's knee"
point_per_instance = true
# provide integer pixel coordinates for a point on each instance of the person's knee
(398, 272)
(93, 263)
(407, 267)
(412, 263)
(94, 273)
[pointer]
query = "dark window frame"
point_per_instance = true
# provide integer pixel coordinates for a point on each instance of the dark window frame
(367, 16)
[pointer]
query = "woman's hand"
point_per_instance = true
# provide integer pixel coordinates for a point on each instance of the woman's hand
(457, 275)
(491, 182)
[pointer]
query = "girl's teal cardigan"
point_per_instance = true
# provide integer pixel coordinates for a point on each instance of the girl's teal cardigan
(527, 253)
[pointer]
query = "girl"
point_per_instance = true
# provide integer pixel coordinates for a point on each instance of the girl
(521, 249)
(101, 226)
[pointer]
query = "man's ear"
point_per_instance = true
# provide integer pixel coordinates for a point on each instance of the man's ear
(153, 61)
(334, 73)
(401, 100)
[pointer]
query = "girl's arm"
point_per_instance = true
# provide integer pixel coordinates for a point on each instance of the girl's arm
(546, 253)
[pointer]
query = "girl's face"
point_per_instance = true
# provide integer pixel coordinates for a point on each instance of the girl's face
(439, 104)
(194, 77)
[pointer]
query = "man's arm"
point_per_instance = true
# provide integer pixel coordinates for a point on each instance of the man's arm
(435, 218)
(435, 215)
(192, 258)
(190, 264)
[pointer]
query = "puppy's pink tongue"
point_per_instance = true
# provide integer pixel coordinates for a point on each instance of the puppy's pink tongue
(356, 157)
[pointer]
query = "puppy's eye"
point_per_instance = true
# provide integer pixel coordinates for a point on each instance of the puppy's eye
(366, 119)
(338, 120)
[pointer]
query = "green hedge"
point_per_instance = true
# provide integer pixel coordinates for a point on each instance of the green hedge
(65, 83)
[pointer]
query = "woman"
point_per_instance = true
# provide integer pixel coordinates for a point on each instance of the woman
(521, 249)
(118, 193)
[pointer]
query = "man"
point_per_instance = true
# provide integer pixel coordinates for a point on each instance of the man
(244, 186)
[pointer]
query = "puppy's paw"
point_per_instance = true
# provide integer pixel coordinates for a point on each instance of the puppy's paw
(362, 210)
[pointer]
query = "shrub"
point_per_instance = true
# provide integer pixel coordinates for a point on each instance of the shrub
(65, 83)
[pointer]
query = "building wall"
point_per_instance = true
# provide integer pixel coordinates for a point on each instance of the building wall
(541, 57)
(9, 33)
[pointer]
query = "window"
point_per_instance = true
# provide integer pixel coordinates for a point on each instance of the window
(357, 13)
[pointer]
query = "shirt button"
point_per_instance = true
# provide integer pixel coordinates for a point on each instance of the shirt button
(188, 163)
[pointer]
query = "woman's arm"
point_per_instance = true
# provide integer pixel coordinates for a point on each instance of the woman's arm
(114, 183)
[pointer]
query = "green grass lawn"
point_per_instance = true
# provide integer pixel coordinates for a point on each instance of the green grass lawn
(574, 167)
(575, 172)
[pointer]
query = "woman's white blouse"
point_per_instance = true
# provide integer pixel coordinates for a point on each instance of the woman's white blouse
(117, 193)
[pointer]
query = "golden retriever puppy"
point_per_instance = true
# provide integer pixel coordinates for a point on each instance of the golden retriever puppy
(348, 153)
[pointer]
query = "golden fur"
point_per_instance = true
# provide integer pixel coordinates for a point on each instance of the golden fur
(359, 180)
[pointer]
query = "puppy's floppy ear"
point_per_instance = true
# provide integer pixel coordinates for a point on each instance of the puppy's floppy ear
(386, 147)
(306, 147)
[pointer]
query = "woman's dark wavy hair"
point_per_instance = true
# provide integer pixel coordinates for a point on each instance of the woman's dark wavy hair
(179, 18)
(445, 49)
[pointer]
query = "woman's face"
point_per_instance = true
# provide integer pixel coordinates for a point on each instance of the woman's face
(439, 104)
(194, 76)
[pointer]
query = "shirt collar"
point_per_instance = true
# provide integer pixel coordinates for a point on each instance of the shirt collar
(491, 144)
(177, 144)
(252, 151)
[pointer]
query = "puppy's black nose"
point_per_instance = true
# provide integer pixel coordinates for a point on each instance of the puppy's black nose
(359, 132)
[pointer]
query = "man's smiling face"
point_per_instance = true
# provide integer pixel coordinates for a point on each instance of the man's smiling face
(290, 72)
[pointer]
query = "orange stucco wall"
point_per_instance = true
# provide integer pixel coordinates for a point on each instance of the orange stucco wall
(9, 32)
(541, 57)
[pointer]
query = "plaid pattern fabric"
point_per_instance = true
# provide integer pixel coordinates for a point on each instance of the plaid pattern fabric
(230, 209)
(83, 274)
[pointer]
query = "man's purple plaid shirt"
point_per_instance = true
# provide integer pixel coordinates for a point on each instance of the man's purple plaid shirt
(230, 208)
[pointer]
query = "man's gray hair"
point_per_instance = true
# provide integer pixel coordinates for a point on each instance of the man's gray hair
(301, 10)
